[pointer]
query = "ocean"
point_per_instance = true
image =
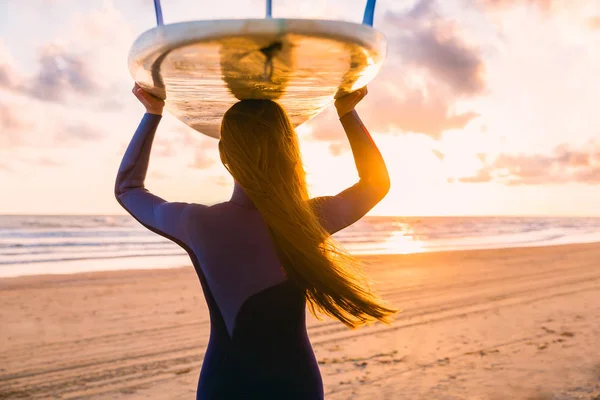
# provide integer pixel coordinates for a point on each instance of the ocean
(66, 244)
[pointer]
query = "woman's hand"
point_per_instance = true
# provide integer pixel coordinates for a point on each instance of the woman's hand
(153, 104)
(346, 103)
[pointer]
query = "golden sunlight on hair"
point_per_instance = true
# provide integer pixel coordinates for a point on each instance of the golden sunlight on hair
(260, 149)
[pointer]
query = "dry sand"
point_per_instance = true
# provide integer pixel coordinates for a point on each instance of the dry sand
(494, 324)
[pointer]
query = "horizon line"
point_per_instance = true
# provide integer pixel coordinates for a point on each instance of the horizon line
(366, 216)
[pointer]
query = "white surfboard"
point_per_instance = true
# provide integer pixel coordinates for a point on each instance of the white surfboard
(201, 68)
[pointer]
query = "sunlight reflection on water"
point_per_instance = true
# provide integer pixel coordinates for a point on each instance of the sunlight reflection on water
(400, 241)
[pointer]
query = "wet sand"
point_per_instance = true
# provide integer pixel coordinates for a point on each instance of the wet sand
(487, 324)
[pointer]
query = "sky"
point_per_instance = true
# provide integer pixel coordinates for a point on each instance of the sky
(483, 107)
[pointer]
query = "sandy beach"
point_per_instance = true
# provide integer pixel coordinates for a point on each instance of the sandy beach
(487, 324)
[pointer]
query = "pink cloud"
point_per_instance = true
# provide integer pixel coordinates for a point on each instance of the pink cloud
(425, 41)
(337, 148)
(438, 154)
(61, 73)
(223, 181)
(11, 126)
(415, 110)
(483, 175)
(594, 22)
(202, 159)
(47, 162)
(420, 42)
(561, 166)
(77, 133)
(8, 74)
(158, 175)
(544, 5)
(164, 147)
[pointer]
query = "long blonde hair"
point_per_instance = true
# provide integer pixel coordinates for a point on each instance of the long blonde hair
(260, 149)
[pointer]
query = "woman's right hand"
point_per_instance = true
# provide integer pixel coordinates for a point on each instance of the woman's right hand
(153, 104)
(346, 103)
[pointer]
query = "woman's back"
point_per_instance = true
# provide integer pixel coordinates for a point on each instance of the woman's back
(258, 341)
(258, 345)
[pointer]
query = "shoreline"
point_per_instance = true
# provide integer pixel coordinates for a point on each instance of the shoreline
(359, 256)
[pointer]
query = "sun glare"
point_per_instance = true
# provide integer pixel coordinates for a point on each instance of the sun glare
(402, 241)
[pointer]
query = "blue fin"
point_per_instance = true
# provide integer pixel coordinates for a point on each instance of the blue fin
(269, 8)
(369, 13)
(158, 12)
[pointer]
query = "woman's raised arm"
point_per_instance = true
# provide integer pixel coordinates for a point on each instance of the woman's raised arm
(153, 212)
(345, 208)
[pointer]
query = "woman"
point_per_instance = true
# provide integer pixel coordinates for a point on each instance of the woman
(264, 254)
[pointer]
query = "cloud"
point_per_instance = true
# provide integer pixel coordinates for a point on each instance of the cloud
(563, 165)
(327, 127)
(338, 148)
(5, 76)
(24, 98)
(60, 74)
(47, 162)
(594, 23)
(202, 159)
(84, 58)
(415, 110)
(223, 181)
(422, 44)
(21, 127)
(158, 175)
(5, 167)
(9, 120)
(164, 148)
(11, 126)
(392, 106)
(77, 132)
(446, 59)
(438, 154)
(544, 5)
(482, 176)
(8, 75)
(112, 104)
(176, 137)
(574, 158)
(425, 41)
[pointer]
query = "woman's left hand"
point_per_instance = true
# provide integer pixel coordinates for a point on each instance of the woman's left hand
(346, 103)
(153, 104)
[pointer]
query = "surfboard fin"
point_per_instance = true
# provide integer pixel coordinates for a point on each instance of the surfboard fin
(158, 12)
(269, 9)
(369, 13)
(367, 18)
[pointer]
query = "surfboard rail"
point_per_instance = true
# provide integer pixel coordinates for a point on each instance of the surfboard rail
(181, 33)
